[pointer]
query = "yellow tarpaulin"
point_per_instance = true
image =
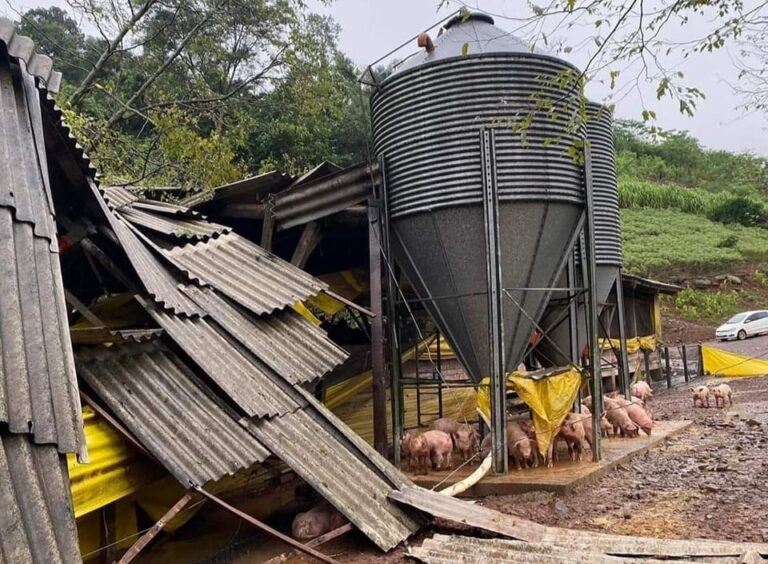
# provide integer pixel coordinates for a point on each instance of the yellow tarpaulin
(725, 363)
(550, 399)
(633, 345)
(115, 469)
(352, 399)
(345, 283)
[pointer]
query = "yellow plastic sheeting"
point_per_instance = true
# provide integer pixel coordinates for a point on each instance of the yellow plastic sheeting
(357, 413)
(657, 319)
(303, 310)
(115, 469)
(725, 363)
(633, 345)
(342, 392)
(347, 284)
(550, 399)
(124, 525)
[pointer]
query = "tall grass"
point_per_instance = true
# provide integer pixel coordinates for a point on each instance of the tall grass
(636, 194)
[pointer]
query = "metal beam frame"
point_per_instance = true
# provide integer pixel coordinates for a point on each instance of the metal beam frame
(624, 360)
(590, 275)
(495, 307)
(377, 330)
(396, 391)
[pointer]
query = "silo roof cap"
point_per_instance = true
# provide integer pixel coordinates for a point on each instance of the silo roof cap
(469, 34)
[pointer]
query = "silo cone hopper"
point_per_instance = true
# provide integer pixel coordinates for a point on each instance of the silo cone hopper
(556, 349)
(429, 120)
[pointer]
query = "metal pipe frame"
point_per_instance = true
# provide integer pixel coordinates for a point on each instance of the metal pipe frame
(396, 392)
(624, 360)
(495, 311)
(377, 330)
(592, 306)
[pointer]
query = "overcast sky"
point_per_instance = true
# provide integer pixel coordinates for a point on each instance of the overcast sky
(371, 28)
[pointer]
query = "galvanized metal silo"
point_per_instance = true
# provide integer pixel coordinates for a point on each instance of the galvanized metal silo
(478, 108)
(608, 253)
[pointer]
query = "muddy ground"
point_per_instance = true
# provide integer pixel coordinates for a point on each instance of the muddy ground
(710, 481)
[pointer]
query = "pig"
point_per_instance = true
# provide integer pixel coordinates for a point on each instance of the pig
(465, 442)
(586, 420)
(617, 415)
(642, 390)
(520, 446)
(440, 449)
(606, 429)
(722, 392)
(416, 452)
(572, 432)
(317, 521)
(637, 414)
(444, 424)
(528, 428)
(700, 394)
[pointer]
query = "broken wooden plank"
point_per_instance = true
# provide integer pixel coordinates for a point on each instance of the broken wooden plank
(445, 549)
(521, 529)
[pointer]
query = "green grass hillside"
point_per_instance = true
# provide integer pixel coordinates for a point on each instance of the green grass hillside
(664, 242)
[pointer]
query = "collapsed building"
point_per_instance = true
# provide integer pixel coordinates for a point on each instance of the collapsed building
(191, 344)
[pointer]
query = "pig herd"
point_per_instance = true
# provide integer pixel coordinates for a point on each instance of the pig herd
(448, 442)
(721, 393)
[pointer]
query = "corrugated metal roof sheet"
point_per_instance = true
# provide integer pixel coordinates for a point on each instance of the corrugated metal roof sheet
(22, 48)
(171, 411)
(99, 335)
(37, 523)
(181, 227)
(250, 383)
(38, 386)
(25, 187)
(322, 197)
(254, 187)
(166, 208)
(117, 196)
(255, 278)
(289, 344)
(156, 277)
(331, 466)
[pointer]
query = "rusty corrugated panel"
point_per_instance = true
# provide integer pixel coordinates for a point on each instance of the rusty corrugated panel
(38, 386)
(37, 523)
(251, 384)
(180, 227)
(171, 411)
(22, 48)
(118, 197)
(253, 187)
(325, 196)
(156, 277)
(305, 441)
(255, 278)
(289, 344)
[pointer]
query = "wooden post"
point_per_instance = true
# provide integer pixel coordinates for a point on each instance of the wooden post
(668, 368)
(647, 364)
(266, 528)
(377, 331)
(147, 537)
(309, 239)
(82, 309)
(267, 226)
(685, 365)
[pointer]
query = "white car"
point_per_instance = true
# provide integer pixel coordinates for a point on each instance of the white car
(743, 325)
